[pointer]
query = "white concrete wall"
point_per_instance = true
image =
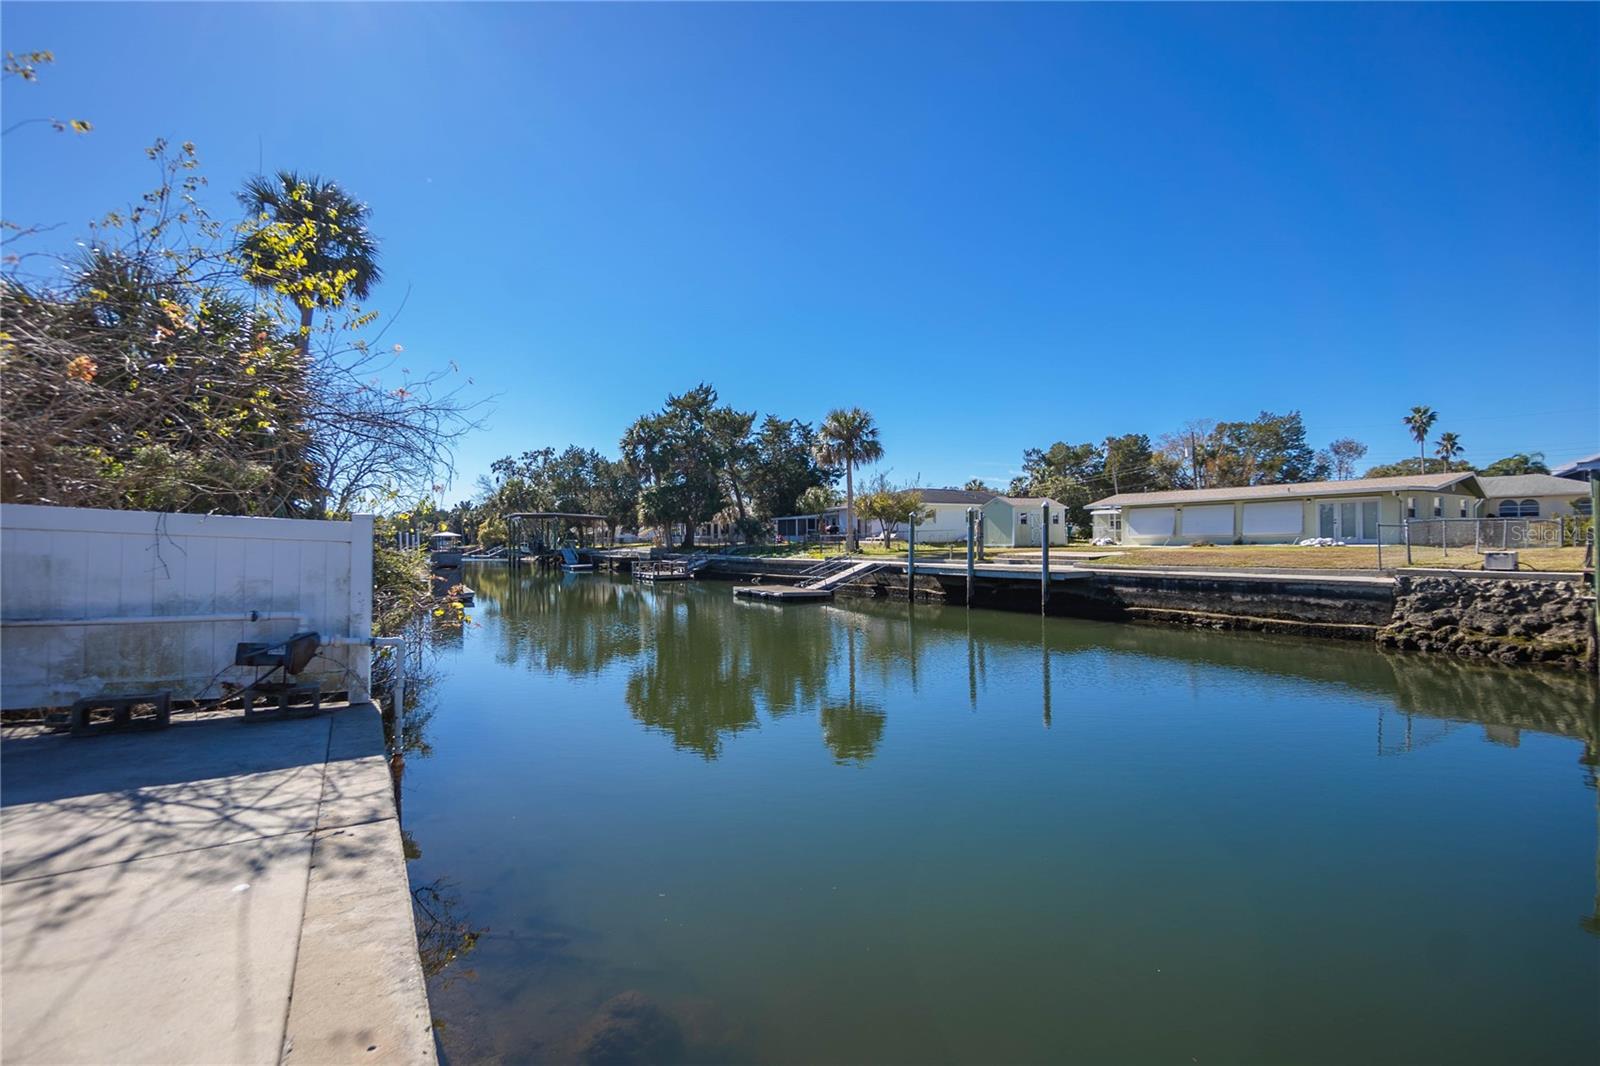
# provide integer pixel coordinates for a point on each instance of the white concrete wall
(71, 564)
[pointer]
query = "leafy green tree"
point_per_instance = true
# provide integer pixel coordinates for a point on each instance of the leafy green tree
(678, 461)
(730, 434)
(1520, 463)
(1271, 450)
(1420, 422)
(977, 484)
(1132, 465)
(1448, 448)
(1072, 474)
(308, 241)
(615, 494)
(848, 437)
(785, 467)
(816, 500)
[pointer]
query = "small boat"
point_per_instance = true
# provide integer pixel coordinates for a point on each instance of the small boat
(571, 563)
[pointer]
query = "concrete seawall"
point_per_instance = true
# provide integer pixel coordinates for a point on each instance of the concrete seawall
(1508, 619)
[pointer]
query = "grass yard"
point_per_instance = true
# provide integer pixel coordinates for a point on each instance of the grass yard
(1352, 557)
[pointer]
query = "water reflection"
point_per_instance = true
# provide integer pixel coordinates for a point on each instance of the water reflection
(852, 729)
(692, 684)
(635, 798)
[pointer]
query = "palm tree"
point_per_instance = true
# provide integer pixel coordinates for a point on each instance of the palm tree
(848, 437)
(1420, 421)
(310, 216)
(1449, 448)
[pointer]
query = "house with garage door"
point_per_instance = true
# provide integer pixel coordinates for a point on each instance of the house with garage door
(1534, 496)
(1360, 511)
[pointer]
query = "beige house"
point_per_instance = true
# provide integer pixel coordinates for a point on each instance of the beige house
(1533, 496)
(1360, 511)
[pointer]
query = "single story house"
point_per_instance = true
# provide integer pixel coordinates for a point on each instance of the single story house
(1008, 521)
(1017, 521)
(946, 524)
(1359, 511)
(1533, 496)
(947, 515)
(830, 521)
(1585, 469)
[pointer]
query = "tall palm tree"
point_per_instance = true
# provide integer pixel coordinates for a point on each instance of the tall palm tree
(1449, 448)
(1420, 421)
(848, 437)
(328, 226)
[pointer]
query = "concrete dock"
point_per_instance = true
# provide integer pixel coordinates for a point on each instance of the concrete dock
(214, 892)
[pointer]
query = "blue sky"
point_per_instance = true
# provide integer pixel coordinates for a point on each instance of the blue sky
(994, 227)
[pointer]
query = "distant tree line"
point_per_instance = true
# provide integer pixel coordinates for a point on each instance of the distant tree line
(694, 461)
(1270, 449)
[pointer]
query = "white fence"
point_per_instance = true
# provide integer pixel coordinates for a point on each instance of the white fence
(102, 602)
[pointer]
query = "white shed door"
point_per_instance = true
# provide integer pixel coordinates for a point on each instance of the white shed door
(1274, 519)
(1213, 521)
(1148, 521)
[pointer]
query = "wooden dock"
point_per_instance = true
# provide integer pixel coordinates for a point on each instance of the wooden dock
(661, 570)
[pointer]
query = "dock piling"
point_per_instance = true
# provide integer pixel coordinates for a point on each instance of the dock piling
(911, 559)
(971, 522)
(1044, 557)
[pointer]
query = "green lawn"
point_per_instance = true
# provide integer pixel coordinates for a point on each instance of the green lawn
(1351, 557)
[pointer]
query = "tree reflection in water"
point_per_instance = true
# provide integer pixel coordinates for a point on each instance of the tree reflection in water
(702, 668)
(852, 730)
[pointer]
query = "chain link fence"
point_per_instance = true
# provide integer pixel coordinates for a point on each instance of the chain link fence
(1421, 541)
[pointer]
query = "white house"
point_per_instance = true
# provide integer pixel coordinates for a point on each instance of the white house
(1585, 469)
(947, 514)
(1360, 511)
(1533, 496)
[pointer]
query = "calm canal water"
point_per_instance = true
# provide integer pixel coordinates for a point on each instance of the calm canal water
(683, 828)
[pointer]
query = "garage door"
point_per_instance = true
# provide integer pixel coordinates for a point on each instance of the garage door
(1148, 521)
(1278, 518)
(1214, 521)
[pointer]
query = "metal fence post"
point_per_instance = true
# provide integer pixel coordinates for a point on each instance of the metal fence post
(1405, 529)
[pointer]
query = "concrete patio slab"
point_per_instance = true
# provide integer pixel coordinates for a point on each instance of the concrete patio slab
(167, 896)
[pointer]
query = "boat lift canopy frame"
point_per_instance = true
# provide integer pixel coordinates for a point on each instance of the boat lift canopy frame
(549, 528)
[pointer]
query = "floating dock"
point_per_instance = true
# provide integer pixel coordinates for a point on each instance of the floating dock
(818, 584)
(782, 592)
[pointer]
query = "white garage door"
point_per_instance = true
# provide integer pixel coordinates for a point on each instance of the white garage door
(1278, 518)
(1148, 521)
(1211, 521)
